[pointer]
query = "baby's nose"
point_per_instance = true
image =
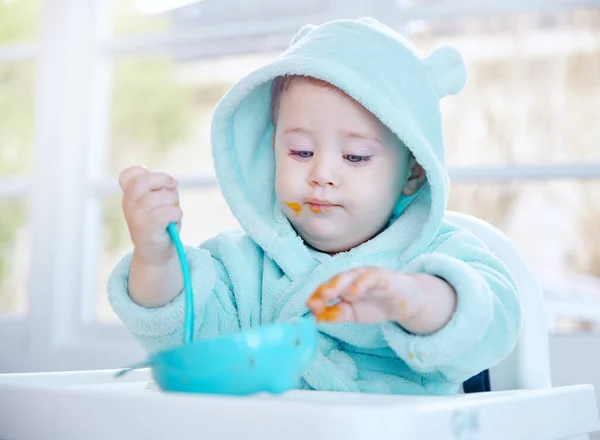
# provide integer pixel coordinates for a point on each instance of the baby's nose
(318, 178)
(317, 181)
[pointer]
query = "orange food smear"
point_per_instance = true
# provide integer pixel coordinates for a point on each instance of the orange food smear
(402, 307)
(294, 206)
(355, 288)
(330, 314)
(334, 282)
(316, 301)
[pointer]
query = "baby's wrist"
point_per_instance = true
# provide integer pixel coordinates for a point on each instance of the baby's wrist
(154, 285)
(430, 303)
(408, 301)
(152, 259)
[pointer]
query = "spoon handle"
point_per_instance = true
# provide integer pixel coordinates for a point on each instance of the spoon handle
(137, 366)
(188, 325)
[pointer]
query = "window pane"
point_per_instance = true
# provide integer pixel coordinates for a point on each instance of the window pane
(129, 19)
(13, 257)
(533, 91)
(151, 16)
(19, 20)
(161, 110)
(16, 117)
(555, 226)
(197, 227)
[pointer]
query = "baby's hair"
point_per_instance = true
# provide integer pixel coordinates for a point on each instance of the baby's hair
(282, 83)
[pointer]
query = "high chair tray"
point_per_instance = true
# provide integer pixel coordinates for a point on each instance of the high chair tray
(92, 405)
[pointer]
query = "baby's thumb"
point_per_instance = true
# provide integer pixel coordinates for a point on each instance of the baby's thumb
(129, 174)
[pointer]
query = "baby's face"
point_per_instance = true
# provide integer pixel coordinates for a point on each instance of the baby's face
(339, 170)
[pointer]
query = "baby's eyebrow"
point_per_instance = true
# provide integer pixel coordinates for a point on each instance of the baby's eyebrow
(348, 134)
(301, 130)
(364, 136)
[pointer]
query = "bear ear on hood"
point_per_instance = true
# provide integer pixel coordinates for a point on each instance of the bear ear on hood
(304, 30)
(447, 70)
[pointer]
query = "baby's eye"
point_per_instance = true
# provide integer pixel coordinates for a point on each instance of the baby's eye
(354, 158)
(301, 154)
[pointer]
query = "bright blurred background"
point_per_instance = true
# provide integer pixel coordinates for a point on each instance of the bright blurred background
(90, 87)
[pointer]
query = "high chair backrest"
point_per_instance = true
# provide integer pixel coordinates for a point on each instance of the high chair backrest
(528, 366)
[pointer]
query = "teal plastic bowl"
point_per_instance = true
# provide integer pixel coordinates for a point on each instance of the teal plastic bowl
(266, 359)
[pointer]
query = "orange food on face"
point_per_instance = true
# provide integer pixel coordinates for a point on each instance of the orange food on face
(294, 206)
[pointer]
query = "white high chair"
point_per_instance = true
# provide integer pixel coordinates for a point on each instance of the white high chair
(528, 366)
(521, 406)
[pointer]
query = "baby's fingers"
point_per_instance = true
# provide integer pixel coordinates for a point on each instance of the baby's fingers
(129, 174)
(331, 290)
(374, 283)
(365, 311)
(158, 199)
(141, 185)
(339, 312)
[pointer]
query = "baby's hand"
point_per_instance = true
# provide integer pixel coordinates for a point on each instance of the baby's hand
(368, 295)
(150, 203)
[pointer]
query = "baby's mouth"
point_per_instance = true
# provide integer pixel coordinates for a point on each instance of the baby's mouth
(318, 205)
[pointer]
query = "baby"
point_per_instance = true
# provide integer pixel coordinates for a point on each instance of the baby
(332, 159)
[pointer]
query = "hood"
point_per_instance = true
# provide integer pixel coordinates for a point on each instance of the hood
(382, 71)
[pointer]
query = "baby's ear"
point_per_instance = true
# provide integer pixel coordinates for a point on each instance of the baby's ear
(416, 178)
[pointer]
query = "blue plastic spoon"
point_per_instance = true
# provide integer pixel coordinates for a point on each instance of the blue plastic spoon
(188, 322)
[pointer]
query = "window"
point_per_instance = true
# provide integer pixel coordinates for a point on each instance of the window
(19, 32)
(19, 27)
(112, 83)
(532, 89)
(20, 21)
(16, 128)
(529, 107)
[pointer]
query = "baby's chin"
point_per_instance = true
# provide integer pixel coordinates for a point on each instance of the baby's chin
(328, 235)
(332, 243)
(336, 240)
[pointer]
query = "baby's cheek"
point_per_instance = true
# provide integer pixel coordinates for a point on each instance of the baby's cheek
(375, 208)
(368, 195)
(282, 183)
